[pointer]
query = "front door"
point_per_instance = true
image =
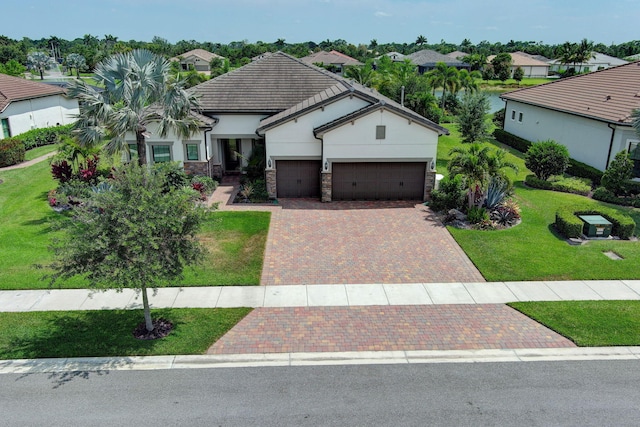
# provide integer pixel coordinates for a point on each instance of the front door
(231, 148)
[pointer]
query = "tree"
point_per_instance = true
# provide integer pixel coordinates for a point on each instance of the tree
(583, 52)
(133, 234)
(518, 74)
(77, 61)
(13, 68)
(501, 64)
(421, 40)
(547, 158)
(445, 77)
(40, 62)
(618, 173)
(467, 80)
(472, 117)
(363, 74)
(137, 91)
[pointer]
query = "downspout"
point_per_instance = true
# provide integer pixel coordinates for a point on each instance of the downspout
(613, 134)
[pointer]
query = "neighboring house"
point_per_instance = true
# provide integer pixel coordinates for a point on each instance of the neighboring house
(457, 54)
(599, 61)
(324, 136)
(531, 67)
(198, 59)
(335, 60)
(427, 59)
(395, 56)
(590, 114)
(27, 104)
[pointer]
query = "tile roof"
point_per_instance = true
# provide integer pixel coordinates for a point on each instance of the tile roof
(457, 54)
(333, 57)
(17, 89)
(266, 86)
(597, 59)
(200, 53)
(608, 95)
(518, 59)
(428, 57)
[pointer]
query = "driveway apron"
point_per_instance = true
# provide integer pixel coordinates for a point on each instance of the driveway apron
(361, 242)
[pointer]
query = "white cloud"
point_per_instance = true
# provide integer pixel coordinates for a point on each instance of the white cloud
(382, 14)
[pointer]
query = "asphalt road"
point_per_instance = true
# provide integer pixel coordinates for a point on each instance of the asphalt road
(594, 393)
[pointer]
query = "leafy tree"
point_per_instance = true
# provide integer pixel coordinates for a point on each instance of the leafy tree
(518, 74)
(445, 77)
(583, 52)
(547, 158)
(618, 173)
(471, 117)
(131, 234)
(477, 61)
(137, 91)
(467, 80)
(77, 61)
(363, 74)
(501, 64)
(13, 68)
(40, 62)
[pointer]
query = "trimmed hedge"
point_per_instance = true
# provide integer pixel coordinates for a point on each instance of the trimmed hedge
(44, 136)
(511, 140)
(568, 223)
(564, 185)
(11, 152)
(607, 196)
(583, 170)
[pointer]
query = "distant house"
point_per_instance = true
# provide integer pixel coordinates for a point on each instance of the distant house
(198, 59)
(457, 54)
(394, 56)
(324, 136)
(599, 61)
(531, 67)
(27, 104)
(427, 59)
(334, 61)
(590, 114)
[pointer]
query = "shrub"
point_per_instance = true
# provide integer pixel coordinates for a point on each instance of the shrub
(207, 184)
(546, 158)
(44, 136)
(583, 170)
(477, 215)
(498, 118)
(620, 171)
(568, 223)
(605, 195)
(560, 183)
(511, 140)
(11, 152)
(256, 163)
(175, 175)
(471, 117)
(451, 194)
(498, 189)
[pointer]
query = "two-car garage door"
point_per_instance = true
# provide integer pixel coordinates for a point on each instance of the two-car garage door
(378, 181)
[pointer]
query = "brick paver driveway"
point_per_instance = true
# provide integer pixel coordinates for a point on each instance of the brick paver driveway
(361, 242)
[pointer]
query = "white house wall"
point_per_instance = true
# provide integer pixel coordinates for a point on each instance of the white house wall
(588, 140)
(403, 141)
(295, 138)
(233, 126)
(171, 139)
(40, 113)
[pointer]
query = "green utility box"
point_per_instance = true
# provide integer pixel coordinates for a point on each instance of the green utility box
(595, 226)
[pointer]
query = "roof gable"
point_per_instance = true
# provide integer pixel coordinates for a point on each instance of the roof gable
(333, 57)
(16, 89)
(608, 95)
(205, 55)
(431, 57)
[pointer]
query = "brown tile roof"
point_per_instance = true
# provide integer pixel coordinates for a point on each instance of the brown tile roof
(429, 58)
(520, 60)
(200, 53)
(266, 86)
(608, 95)
(333, 57)
(17, 89)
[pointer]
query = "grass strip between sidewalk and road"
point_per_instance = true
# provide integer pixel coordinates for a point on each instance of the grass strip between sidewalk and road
(109, 333)
(588, 323)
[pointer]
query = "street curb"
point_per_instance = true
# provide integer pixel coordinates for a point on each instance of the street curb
(139, 363)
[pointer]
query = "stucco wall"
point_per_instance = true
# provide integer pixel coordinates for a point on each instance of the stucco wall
(176, 143)
(40, 113)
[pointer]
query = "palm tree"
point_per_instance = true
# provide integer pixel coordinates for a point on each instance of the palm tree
(583, 52)
(39, 61)
(421, 40)
(77, 61)
(138, 91)
(363, 74)
(445, 77)
(467, 80)
(567, 54)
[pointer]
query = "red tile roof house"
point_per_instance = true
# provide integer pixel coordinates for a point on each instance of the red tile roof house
(324, 136)
(26, 105)
(590, 114)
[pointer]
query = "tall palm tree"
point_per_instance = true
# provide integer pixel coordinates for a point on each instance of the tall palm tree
(445, 77)
(363, 74)
(39, 61)
(138, 91)
(583, 52)
(77, 61)
(468, 80)
(421, 40)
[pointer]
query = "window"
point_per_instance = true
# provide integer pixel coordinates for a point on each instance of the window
(513, 114)
(191, 150)
(161, 153)
(381, 132)
(634, 155)
(5, 132)
(520, 116)
(133, 150)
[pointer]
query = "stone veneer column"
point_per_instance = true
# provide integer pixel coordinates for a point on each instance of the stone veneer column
(325, 186)
(270, 178)
(429, 184)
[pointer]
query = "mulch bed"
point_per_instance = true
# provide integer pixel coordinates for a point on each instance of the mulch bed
(161, 328)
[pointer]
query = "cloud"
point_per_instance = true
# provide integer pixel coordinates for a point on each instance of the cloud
(381, 14)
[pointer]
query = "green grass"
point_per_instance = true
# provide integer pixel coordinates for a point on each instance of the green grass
(511, 84)
(236, 240)
(109, 332)
(39, 151)
(532, 250)
(588, 323)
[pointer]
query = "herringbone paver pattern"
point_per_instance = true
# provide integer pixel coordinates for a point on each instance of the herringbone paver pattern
(361, 242)
(385, 328)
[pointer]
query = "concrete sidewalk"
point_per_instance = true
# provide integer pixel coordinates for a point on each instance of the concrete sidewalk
(323, 295)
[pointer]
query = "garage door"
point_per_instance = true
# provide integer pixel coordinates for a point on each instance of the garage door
(298, 178)
(378, 181)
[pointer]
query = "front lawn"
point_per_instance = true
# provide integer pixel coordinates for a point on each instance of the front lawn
(236, 240)
(588, 323)
(109, 332)
(532, 250)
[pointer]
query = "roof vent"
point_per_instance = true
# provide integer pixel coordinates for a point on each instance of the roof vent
(608, 97)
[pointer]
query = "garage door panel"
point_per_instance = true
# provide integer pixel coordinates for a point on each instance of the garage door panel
(298, 178)
(378, 181)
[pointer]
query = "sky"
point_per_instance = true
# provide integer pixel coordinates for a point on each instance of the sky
(356, 21)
